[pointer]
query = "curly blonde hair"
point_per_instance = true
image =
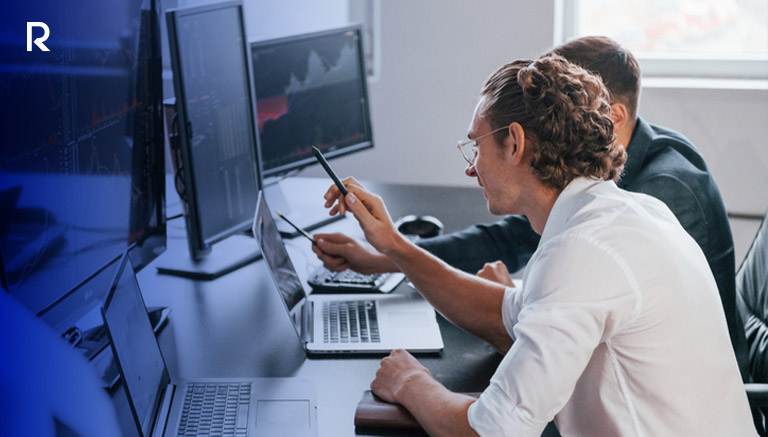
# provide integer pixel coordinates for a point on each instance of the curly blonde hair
(564, 112)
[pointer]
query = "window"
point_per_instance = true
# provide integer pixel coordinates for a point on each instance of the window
(367, 13)
(678, 38)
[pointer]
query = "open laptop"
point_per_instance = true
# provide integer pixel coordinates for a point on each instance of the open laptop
(348, 323)
(206, 406)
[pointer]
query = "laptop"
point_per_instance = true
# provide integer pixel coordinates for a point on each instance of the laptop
(206, 406)
(345, 323)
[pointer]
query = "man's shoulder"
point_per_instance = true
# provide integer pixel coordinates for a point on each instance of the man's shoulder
(674, 172)
(661, 135)
(670, 158)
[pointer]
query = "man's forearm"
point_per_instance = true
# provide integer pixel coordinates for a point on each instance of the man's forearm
(386, 265)
(439, 411)
(511, 240)
(472, 303)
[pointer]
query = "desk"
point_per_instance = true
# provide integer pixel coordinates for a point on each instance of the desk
(236, 325)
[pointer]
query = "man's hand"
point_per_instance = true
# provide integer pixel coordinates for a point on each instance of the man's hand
(496, 272)
(335, 200)
(396, 370)
(339, 252)
(401, 379)
(370, 213)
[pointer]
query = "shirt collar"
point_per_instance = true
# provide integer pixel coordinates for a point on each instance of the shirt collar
(565, 205)
(637, 149)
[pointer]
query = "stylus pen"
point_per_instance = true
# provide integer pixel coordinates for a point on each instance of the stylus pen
(298, 229)
(329, 170)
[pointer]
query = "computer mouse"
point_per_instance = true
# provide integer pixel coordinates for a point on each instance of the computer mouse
(423, 226)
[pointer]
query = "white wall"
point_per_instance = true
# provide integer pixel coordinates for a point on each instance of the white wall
(271, 18)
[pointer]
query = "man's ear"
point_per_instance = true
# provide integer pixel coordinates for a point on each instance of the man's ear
(619, 115)
(516, 142)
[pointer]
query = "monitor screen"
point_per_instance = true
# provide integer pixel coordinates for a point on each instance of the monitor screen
(81, 164)
(216, 136)
(310, 90)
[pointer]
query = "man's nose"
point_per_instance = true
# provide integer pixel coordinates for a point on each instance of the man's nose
(470, 171)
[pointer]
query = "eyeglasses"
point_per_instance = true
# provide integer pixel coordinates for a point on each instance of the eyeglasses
(468, 148)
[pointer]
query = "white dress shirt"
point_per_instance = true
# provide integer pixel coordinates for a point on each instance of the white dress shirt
(618, 329)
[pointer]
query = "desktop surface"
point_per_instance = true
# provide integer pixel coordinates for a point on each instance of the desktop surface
(235, 326)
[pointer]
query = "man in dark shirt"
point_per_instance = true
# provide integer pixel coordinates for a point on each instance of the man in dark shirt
(661, 163)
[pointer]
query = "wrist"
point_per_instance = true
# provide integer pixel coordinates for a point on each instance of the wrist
(398, 245)
(385, 264)
(415, 381)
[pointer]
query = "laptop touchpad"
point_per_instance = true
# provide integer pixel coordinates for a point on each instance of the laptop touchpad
(408, 319)
(287, 413)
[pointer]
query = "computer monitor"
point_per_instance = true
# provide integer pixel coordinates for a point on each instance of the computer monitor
(311, 90)
(81, 162)
(216, 170)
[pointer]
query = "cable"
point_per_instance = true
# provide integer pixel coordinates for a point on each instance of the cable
(178, 176)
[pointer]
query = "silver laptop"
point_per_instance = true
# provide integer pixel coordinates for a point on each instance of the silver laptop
(346, 323)
(206, 406)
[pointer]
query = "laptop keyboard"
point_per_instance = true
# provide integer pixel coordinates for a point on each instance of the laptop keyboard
(350, 322)
(215, 409)
(350, 281)
(353, 277)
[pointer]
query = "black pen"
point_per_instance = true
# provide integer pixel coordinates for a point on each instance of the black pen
(329, 170)
(298, 229)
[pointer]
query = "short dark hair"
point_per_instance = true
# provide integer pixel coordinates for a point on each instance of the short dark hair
(614, 64)
(565, 113)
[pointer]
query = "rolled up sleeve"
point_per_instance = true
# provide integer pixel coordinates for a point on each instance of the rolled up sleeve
(557, 321)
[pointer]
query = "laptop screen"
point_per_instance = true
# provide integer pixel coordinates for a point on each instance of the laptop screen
(280, 265)
(134, 345)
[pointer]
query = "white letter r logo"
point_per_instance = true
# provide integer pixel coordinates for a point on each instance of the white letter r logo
(38, 41)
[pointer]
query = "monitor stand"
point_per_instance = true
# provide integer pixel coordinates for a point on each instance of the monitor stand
(225, 256)
(299, 199)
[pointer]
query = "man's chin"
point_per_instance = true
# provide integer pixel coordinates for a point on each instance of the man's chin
(492, 208)
(497, 208)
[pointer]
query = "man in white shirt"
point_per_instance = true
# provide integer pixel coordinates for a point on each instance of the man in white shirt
(618, 329)
(647, 351)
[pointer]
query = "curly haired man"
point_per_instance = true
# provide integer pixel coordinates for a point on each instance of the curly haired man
(618, 329)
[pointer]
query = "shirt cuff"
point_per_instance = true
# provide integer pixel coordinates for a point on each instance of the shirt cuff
(494, 414)
(510, 308)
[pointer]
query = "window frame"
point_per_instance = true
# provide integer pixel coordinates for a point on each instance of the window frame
(668, 65)
(368, 14)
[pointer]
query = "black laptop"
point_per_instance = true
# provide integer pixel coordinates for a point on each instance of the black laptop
(205, 406)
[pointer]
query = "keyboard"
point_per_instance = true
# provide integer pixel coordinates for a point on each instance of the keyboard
(215, 409)
(324, 280)
(350, 322)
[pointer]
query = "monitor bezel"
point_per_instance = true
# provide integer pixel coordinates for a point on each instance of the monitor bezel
(199, 244)
(146, 249)
(365, 103)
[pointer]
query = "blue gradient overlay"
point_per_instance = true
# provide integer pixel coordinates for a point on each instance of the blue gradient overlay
(81, 133)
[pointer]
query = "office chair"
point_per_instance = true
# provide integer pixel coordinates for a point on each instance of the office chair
(752, 300)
